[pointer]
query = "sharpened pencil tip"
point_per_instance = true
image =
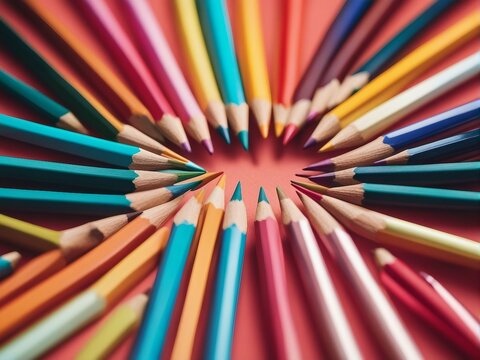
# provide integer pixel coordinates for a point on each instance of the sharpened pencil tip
(200, 195)
(324, 165)
(262, 196)
(222, 181)
(323, 179)
(383, 257)
(237, 194)
(280, 194)
(289, 133)
(185, 175)
(279, 127)
(303, 175)
(194, 167)
(224, 134)
(327, 147)
(263, 130)
(243, 137)
(180, 189)
(186, 146)
(310, 143)
(133, 215)
(207, 144)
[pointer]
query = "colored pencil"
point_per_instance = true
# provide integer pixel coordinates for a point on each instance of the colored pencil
(8, 263)
(89, 304)
(397, 77)
(253, 63)
(375, 121)
(288, 62)
(221, 326)
(389, 52)
(419, 288)
(382, 319)
(89, 204)
(106, 26)
(209, 225)
(82, 272)
(273, 280)
(396, 140)
(365, 31)
(341, 27)
(200, 72)
(164, 67)
(49, 108)
(335, 329)
(153, 330)
(429, 174)
(119, 181)
(219, 39)
(116, 154)
(72, 245)
(400, 233)
(433, 152)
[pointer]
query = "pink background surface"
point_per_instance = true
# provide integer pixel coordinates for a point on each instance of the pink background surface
(269, 164)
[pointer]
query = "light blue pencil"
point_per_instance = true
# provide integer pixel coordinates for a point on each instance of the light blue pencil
(8, 263)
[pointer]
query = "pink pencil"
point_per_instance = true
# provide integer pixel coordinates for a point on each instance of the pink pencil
(126, 56)
(164, 67)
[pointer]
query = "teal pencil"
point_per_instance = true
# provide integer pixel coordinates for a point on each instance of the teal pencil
(90, 204)
(53, 111)
(117, 181)
(109, 152)
(227, 283)
(8, 263)
(153, 330)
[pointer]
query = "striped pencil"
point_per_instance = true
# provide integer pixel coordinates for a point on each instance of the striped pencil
(396, 140)
(384, 322)
(71, 246)
(328, 310)
(153, 330)
(272, 268)
(393, 80)
(253, 63)
(227, 282)
(128, 59)
(8, 263)
(209, 225)
(121, 323)
(375, 121)
(288, 62)
(344, 23)
(200, 72)
(384, 57)
(89, 304)
(399, 233)
(82, 272)
(53, 111)
(164, 67)
(218, 37)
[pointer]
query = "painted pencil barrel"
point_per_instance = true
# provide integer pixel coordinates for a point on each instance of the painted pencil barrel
(6, 268)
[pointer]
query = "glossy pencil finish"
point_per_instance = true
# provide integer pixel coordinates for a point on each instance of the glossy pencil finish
(221, 325)
(334, 326)
(219, 39)
(153, 330)
(344, 23)
(8, 263)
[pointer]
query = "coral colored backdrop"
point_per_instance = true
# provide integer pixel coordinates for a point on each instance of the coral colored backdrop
(269, 164)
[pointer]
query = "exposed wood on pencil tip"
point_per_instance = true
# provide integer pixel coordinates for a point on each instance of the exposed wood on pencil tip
(13, 258)
(69, 121)
(383, 257)
(281, 195)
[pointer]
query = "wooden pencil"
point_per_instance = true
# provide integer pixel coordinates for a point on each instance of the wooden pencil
(72, 244)
(49, 108)
(337, 334)
(396, 140)
(219, 39)
(90, 304)
(382, 319)
(394, 79)
(312, 78)
(400, 233)
(364, 32)
(389, 52)
(208, 225)
(128, 59)
(199, 69)
(419, 288)
(221, 325)
(164, 67)
(375, 121)
(8, 263)
(44, 296)
(153, 330)
(121, 323)
(428, 174)
(253, 63)
(288, 62)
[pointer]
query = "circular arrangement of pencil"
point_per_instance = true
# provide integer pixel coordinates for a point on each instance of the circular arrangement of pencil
(139, 186)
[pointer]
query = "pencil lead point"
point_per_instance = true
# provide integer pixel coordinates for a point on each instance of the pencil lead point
(243, 137)
(324, 165)
(207, 144)
(309, 143)
(383, 257)
(263, 130)
(289, 133)
(323, 179)
(180, 189)
(186, 146)
(280, 194)
(192, 166)
(224, 134)
(237, 194)
(262, 196)
(327, 147)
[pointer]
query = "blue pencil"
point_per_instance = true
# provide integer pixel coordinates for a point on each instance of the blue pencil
(218, 37)
(8, 263)
(154, 328)
(227, 284)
